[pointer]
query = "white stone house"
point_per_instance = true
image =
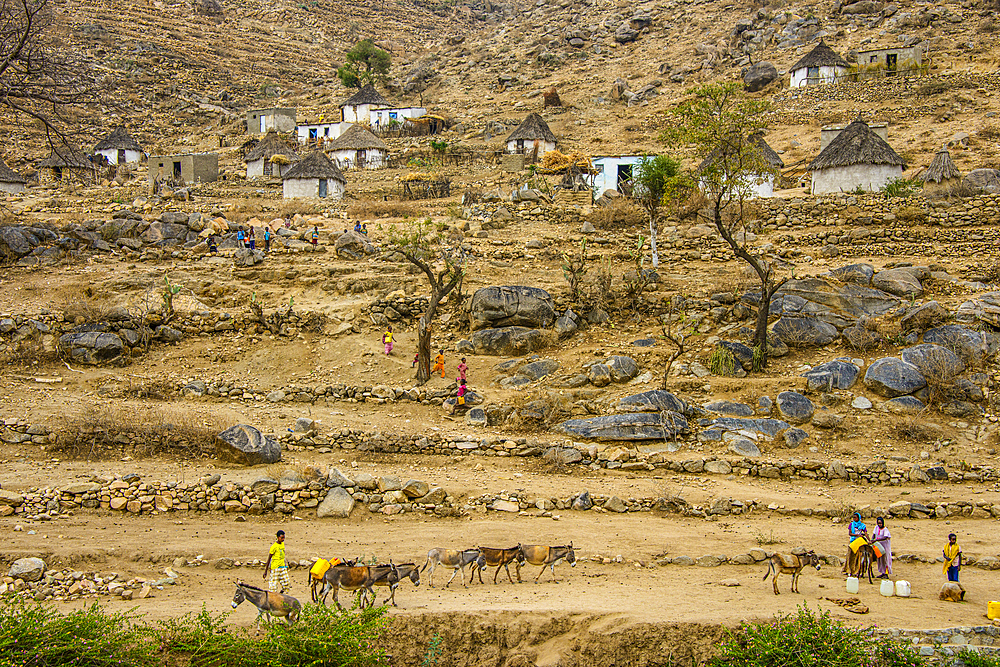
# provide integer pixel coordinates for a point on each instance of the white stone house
(614, 172)
(358, 107)
(856, 158)
(757, 185)
(271, 157)
(380, 119)
(119, 147)
(357, 148)
(319, 133)
(532, 138)
(261, 121)
(11, 181)
(314, 176)
(821, 65)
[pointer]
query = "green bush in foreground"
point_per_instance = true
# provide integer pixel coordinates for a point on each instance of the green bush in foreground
(808, 639)
(33, 635)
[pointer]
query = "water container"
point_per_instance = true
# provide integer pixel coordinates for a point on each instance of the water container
(902, 589)
(852, 584)
(993, 610)
(887, 588)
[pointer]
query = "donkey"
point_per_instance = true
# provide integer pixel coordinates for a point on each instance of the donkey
(394, 576)
(866, 561)
(456, 560)
(267, 602)
(543, 555)
(498, 558)
(790, 564)
(351, 578)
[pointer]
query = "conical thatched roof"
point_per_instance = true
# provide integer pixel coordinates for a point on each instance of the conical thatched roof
(356, 138)
(766, 152)
(367, 95)
(67, 157)
(315, 165)
(272, 144)
(857, 144)
(533, 127)
(821, 56)
(119, 139)
(942, 168)
(8, 175)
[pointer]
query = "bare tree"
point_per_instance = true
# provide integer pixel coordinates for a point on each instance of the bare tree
(444, 269)
(38, 81)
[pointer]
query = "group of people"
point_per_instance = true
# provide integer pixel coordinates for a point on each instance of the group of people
(439, 363)
(360, 228)
(880, 541)
(245, 238)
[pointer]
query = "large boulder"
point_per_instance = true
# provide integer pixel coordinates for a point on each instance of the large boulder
(506, 306)
(794, 407)
(27, 569)
(934, 362)
(245, 257)
(636, 426)
(804, 332)
(850, 300)
(904, 282)
(245, 444)
(654, 400)
(983, 180)
(538, 369)
(980, 308)
(92, 347)
(836, 374)
(337, 504)
(973, 346)
(159, 232)
(859, 274)
(759, 75)
(354, 245)
(17, 242)
(924, 317)
(510, 341)
(891, 377)
(622, 368)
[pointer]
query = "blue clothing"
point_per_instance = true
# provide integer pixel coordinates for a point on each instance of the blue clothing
(855, 529)
(952, 573)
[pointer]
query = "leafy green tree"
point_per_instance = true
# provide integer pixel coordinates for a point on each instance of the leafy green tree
(723, 125)
(658, 180)
(365, 63)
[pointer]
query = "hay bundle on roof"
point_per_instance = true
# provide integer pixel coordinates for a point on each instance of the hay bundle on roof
(8, 175)
(357, 138)
(821, 56)
(857, 144)
(414, 176)
(941, 169)
(531, 128)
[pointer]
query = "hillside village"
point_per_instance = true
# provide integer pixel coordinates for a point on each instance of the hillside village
(197, 283)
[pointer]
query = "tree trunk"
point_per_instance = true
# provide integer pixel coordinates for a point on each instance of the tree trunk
(424, 339)
(652, 240)
(763, 309)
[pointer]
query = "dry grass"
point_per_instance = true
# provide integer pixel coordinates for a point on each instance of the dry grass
(373, 210)
(619, 213)
(113, 430)
(915, 430)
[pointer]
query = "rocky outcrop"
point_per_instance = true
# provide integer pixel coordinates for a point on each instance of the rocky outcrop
(510, 341)
(494, 307)
(92, 347)
(245, 444)
(626, 427)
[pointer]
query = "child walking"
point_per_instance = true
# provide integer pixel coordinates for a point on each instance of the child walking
(276, 566)
(462, 368)
(439, 363)
(952, 557)
(387, 340)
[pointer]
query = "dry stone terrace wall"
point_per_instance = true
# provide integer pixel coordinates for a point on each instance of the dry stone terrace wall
(890, 88)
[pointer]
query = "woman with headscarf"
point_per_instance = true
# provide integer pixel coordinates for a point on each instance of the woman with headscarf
(857, 529)
(882, 538)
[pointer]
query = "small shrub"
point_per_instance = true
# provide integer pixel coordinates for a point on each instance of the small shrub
(769, 538)
(900, 187)
(619, 213)
(722, 361)
(932, 88)
(989, 132)
(915, 429)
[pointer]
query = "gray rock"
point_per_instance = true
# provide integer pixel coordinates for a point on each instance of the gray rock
(510, 341)
(14, 243)
(494, 307)
(245, 444)
(804, 331)
(338, 504)
(389, 483)
(759, 75)
(337, 478)
(682, 560)
(245, 257)
(859, 274)
(305, 425)
(861, 403)
(639, 426)
(92, 347)
(414, 488)
(836, 374)
(891, 377)
(744, 447)
(165, 334)
(644, 342)
(583, 502)
(654, 400)
(901, 282)
(195, 389)
(794, 437)
(27, 569)
(934, 362)
(563, 455)
(849, 300)
(599, 375)
(622, 368)
(538, 369)
(435, 496)
(567, 324)
(615, 504)
(626, 34)
(903, 405)
(264, 485)
(465, 347)
(729, 408)
(983, 181)
(924, 317)
(795, 407)
(292, 480)
(824, 418)
(476, 417)
(971, 345)
(353, 245)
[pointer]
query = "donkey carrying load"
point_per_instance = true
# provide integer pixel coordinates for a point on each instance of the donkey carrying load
(267, 602)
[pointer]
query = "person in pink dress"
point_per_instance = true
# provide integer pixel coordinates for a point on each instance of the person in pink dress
(883, 538)
(462, 368)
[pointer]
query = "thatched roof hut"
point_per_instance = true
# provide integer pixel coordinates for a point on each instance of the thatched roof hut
(118, 139)
(272, 144)
(821, 56)
(357, 138)
(941, 177)
(367, 95)
(531, 128)
(65, 157)
(8, 175)
(766, 152)
(316, 165)
(857, 144)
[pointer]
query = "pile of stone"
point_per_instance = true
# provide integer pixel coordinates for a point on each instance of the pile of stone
(14, 431)
(397, 308)
(30, 578)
